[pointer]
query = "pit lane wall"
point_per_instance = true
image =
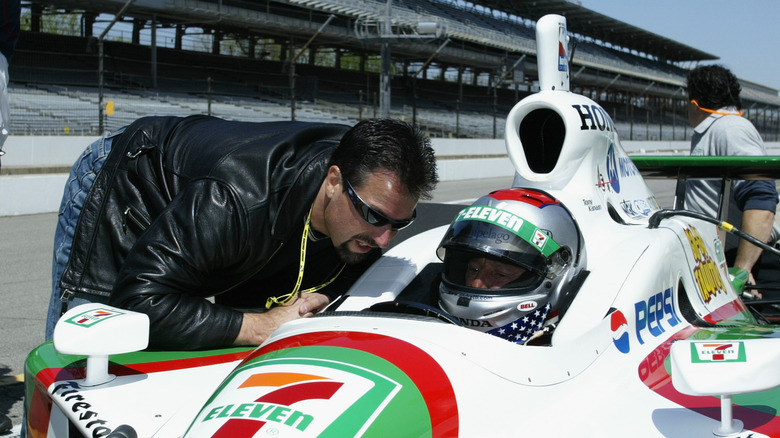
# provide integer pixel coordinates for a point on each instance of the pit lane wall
(35, 168)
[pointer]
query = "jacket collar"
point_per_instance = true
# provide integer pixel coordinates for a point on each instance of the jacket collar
(296, 202)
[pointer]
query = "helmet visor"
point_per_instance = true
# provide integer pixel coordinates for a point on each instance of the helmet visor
(477, 273)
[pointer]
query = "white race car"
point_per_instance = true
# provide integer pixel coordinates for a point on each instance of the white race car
(656, 341)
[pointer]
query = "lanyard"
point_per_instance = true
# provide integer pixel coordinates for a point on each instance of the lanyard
(722, 113)
(287, 298)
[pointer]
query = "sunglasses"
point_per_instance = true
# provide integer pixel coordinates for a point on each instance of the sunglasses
(372, 216)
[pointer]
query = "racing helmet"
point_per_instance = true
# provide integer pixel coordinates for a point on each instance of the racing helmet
(525, 231)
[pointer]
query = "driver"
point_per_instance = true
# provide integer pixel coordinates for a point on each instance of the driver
(513, 260)
(491, 273)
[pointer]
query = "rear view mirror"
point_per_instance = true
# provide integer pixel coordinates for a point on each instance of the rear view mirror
(98, 330)
(723, 368)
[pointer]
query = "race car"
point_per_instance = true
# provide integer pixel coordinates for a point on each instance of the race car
(654, 340)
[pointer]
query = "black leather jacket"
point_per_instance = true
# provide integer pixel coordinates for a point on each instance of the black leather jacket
(188, 208)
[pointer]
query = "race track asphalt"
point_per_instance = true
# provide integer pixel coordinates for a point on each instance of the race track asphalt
(25, 275)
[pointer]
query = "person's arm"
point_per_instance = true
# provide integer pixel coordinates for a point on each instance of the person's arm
(757, 223)
(198, 247)
(757, 199)
(257, 327)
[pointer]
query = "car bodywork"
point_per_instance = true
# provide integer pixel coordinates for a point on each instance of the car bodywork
(656, 341)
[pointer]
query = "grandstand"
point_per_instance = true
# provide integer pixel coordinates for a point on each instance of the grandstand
(454, 67)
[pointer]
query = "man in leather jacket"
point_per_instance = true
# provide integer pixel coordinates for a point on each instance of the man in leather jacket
(171, 211)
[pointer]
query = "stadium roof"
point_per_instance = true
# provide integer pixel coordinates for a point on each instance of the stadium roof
(583, 21)
(475, 49)
(580, 20)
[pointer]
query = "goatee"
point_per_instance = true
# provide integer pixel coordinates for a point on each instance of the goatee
(349, 257)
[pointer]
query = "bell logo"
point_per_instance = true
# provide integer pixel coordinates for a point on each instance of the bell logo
(526, 306)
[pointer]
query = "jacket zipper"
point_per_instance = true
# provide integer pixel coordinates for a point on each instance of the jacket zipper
(140, 150)
(138, 219)
(67, 295)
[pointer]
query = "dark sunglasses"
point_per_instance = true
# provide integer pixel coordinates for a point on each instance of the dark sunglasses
(372, 216)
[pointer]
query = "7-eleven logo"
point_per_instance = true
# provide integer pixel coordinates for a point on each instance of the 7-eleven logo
(92, 317)
(540, 238)
(717, 352)
(296, 397)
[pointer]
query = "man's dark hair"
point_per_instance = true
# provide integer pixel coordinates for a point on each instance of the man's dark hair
(713, 87)
(391, 145)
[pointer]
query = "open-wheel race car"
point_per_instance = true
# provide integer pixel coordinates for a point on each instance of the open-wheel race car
(650, 338)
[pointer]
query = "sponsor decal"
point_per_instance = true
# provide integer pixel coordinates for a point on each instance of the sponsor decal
(593, 117)
(469, 297)
(612, 169)
(706, 352)
(71, 398)
(332, 384)
(92, 317)
(300, 396)
(526, 306)
(485, 233)
(652, 315)
(265, 410)
(539, 238)
(705, 272)
(496, 216)
(60, 374)
(604, 184)
(589, 203)
(628, 208)
(474, 322)
(642, 207)
(563, 62)
(619, 167)
(636, 208)
(619, 326)
(652, 369)
(618, 177)
(427, 399)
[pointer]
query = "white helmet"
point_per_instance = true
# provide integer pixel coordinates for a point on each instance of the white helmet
(521, 228)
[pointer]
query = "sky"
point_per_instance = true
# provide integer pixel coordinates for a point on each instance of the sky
(742, 33)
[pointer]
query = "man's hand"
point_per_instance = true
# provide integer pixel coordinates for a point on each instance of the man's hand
(257, 327)
(311, 303)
